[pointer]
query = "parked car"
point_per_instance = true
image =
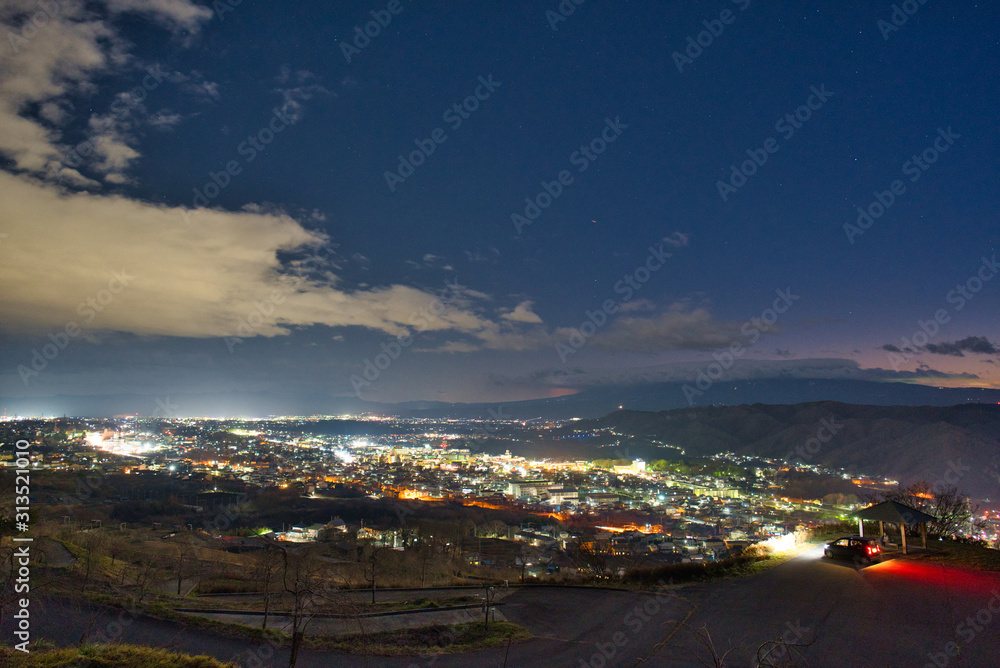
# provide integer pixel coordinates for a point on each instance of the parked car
(860, 548)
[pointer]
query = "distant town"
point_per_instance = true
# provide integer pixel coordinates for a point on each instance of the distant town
(554, 514)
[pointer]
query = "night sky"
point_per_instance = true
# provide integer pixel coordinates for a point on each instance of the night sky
(492, 202)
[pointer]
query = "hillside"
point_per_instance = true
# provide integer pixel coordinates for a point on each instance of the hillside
(954, 444)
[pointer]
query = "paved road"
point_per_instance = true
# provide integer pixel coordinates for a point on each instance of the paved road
(567, 621)
(899, 613)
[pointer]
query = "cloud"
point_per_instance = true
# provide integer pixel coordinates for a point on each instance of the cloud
(637, 305)
(489, 256)
(292, 97)
(679, 328)
(523, 313)
(44, 66)
(201, 279)
(197, 85)
(557, 376)
(164, 119)
(741, 369)
(979, 345)
(177, 15)
(431, 260)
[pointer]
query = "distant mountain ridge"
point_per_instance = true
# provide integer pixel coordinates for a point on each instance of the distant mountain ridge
(588, 403)
(598, 401)
(957, 445)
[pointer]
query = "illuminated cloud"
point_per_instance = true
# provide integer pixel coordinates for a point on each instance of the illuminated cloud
(61, 54)
(679, 328)
(523, 313)
(201, 278)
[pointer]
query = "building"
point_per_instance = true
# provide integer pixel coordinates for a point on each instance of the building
(558, 496)
(637, 466)
(527, 488)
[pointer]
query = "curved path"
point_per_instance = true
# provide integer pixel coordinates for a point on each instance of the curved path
(898, 613)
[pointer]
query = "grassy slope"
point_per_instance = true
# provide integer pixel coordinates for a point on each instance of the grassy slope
(105, 656)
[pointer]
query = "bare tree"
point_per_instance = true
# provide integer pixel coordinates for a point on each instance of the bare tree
(147, 574)
(372, 561)
(424, 554)
(116, 546)
(521, 556)
(266, 567)
(185, 562)
(301, 571)
(595, 554)
(496, 528)
(92, 542)
(954, 511)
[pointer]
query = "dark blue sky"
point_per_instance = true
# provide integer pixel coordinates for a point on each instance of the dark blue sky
(196, 316)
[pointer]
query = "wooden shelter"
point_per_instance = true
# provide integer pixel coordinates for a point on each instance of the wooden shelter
(895, 513)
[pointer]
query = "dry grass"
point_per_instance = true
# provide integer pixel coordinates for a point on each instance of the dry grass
(105, 656)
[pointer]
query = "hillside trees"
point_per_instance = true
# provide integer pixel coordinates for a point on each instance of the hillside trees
(954, 511)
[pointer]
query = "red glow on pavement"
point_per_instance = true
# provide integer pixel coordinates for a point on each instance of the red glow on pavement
(936, 575)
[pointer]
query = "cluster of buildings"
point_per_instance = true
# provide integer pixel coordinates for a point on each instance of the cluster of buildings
(622, 506)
